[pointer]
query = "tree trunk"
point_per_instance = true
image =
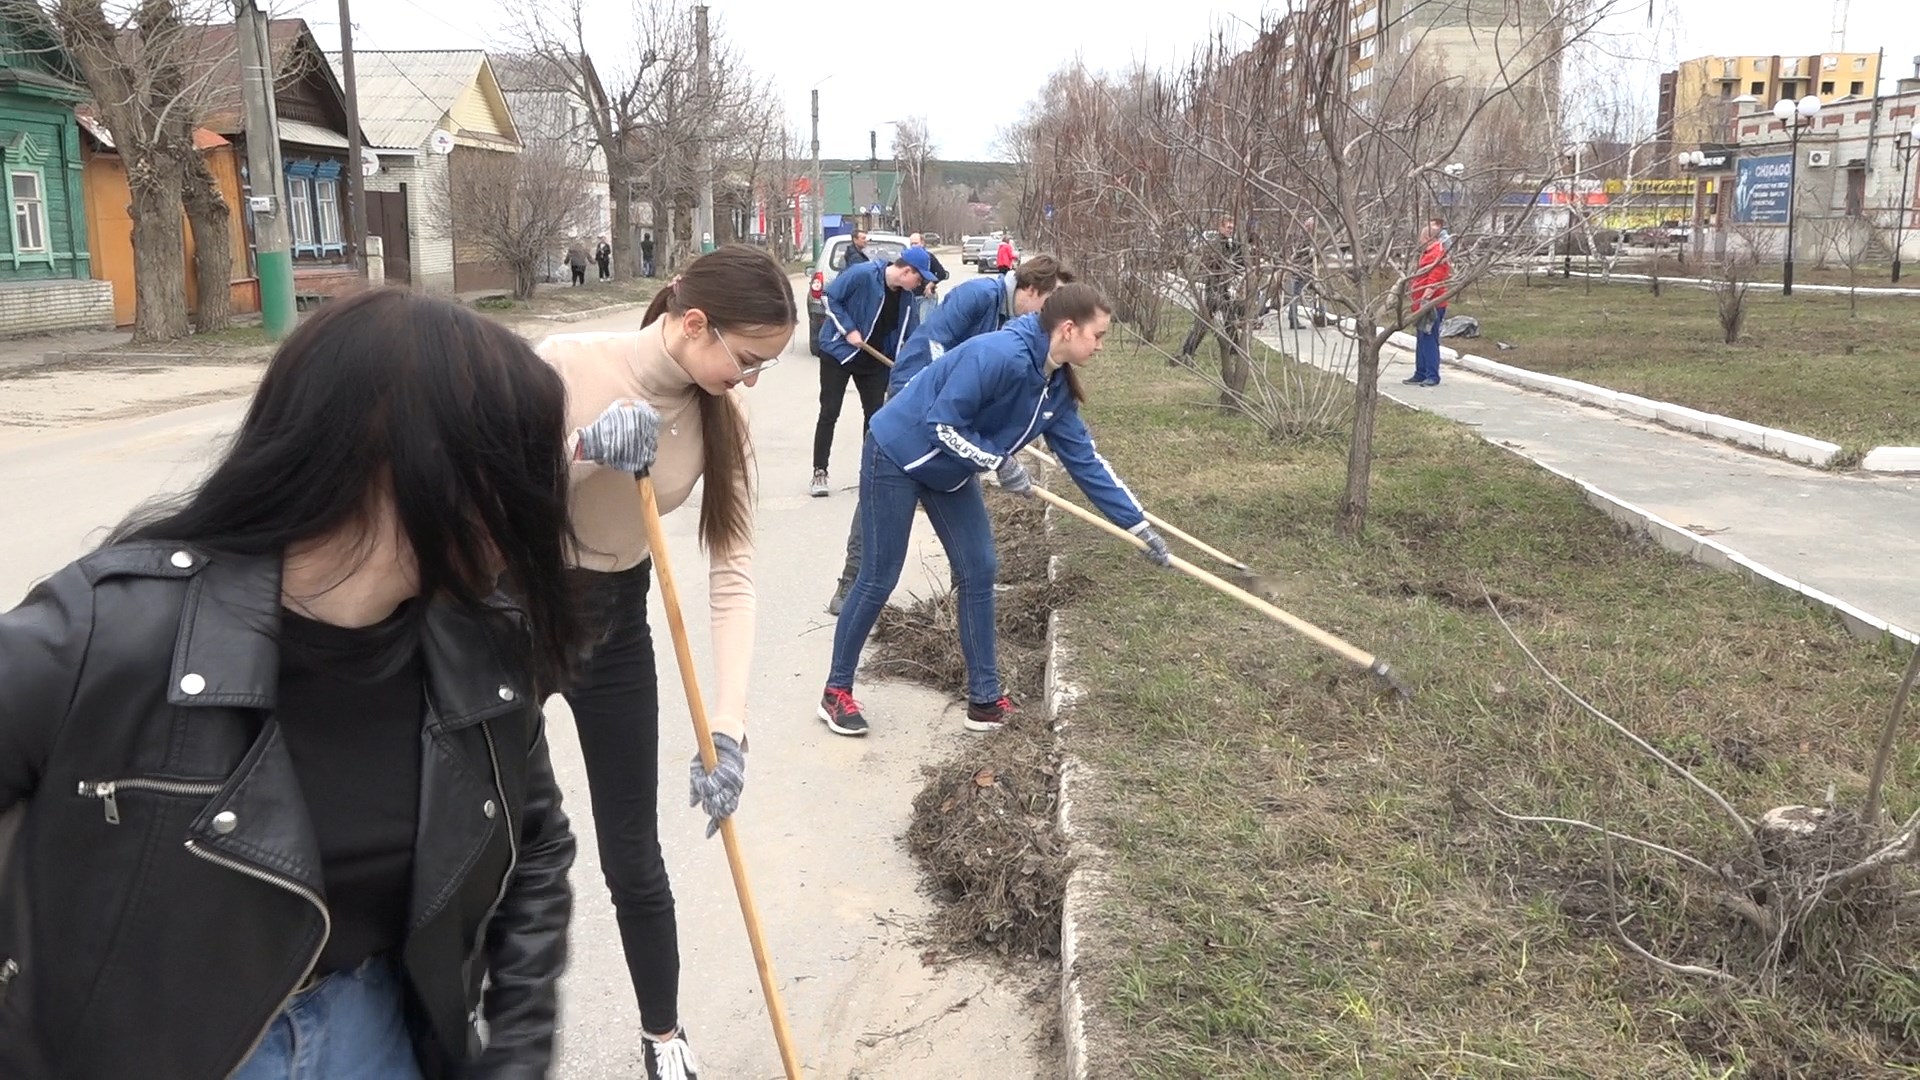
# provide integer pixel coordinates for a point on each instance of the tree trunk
(619, 179)
(159, 249)
(1234, 368)
(524, 281)
(209, 217)
(1352, 519)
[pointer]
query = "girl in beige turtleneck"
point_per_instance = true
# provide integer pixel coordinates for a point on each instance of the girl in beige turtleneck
(726, 318)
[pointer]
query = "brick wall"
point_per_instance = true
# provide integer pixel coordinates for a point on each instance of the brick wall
(425, 178)
(41, 307)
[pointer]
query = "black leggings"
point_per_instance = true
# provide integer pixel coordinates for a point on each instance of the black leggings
(868, 377)
(616, 708)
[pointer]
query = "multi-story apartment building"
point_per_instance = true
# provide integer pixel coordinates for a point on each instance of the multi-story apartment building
(1700, 98)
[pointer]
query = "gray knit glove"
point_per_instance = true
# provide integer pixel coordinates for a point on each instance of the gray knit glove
(718, 792)
(625, 437)
(1156, 551)
(1014, 477)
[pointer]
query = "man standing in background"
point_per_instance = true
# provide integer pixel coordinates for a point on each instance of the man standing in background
(857, 249)
(646, 254)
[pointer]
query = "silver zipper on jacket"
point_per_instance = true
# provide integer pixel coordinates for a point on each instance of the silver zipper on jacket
(294, 887)
(105, 790)
(513, 846)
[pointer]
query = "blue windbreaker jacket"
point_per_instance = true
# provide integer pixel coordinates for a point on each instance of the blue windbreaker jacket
(985, 400)
(977, 307)
(853, 303)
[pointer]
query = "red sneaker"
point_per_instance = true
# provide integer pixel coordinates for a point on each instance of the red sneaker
(841, 712)
(991, 716)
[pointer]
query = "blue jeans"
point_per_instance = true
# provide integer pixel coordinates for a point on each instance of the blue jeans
(350, 1025)
(887, 499)
(1426, 348)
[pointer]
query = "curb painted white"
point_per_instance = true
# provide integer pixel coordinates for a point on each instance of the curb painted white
(1701, 549)
(1760, 286)
(1078, 899)
(1894, 459)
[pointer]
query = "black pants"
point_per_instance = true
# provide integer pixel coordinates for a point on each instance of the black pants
(616, 708)
(606, 269)
(868, 377)
(579, 275)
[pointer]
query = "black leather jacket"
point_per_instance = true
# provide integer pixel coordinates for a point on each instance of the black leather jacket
(163, 898)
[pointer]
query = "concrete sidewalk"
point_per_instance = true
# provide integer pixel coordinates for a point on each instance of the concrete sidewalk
(1854, 538)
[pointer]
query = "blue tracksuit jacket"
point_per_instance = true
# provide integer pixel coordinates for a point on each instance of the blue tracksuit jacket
(977, 307)
(853, 303)
(985, 400)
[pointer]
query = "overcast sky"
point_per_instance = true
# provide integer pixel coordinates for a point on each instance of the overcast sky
(970, 68)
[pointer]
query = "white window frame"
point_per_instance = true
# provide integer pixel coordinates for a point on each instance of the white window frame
(35, 207)
(300, 209)
(1368, 47)
(326, 211)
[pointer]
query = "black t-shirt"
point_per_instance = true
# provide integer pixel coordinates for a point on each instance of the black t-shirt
(352, 707)
(888, 325)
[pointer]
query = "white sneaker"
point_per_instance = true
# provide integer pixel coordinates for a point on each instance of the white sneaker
(819, 489)
(670, 1059)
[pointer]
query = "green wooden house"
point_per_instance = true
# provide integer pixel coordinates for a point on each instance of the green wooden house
(46, 283)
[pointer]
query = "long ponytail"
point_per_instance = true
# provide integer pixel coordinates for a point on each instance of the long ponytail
(739, 288)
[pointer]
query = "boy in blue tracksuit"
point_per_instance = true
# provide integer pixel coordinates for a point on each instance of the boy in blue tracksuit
(868, 303)
(968, 414)
(977, 307)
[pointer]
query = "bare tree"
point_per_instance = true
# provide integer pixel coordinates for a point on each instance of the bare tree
(1733, 272)
(913, 150)
(517, 208)
(1138, 168)
(146, 65)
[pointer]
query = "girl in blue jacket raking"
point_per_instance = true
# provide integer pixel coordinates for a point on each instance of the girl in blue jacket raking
(971, 413)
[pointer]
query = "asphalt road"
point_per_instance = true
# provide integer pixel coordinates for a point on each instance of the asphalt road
(821, 818)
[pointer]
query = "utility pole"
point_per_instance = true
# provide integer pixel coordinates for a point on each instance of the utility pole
(873, 167)
(273, 262)
(703, 213)
(815, 197)
(356, 180)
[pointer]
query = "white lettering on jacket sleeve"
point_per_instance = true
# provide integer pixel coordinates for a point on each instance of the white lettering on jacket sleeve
(965, 450)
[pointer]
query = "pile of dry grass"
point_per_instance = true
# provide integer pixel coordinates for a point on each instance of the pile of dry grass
(984, 828)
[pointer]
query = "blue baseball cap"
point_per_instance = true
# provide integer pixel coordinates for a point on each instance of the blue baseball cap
(918, 258)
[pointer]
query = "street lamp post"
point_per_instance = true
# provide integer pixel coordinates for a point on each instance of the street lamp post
(1904, 206)
(1697, 160)
(1795, 115)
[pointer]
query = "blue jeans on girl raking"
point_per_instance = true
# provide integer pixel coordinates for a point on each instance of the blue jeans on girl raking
(959, 518)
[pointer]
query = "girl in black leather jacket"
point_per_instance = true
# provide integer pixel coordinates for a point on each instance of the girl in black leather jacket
(272, 758)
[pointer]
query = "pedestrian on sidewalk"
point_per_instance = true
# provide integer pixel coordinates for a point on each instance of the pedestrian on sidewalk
(646, 254)
(976, 307)
(314, 807)
(1429, 307)
(1003, 255)
(1222, 264)
(577, 261)
(714, 328)
(968, 414)
(932, 286)
(603, 255)
(1305, 275)
(870, 303)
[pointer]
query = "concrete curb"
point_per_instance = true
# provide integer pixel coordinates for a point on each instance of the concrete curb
(1702, 549)
(1711, 553)
(590, 313)
(1763, 286)
(1801, 448)
(1077, 904)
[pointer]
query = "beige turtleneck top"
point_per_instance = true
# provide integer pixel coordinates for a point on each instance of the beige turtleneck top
(599, 369)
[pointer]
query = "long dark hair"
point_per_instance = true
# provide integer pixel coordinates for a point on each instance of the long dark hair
(451, 412)
(739, 288)
(1075, 302)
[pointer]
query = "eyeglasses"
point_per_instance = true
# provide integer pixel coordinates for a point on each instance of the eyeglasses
(745, 371)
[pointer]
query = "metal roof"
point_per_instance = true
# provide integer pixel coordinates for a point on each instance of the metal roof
(305, 134)
(405, 95)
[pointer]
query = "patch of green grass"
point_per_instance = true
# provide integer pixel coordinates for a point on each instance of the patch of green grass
(557, 299)
(1809, 363)
(1304, 880)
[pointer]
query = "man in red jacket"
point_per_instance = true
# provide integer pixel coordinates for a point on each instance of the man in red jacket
(1003, 256)
(1429, 307)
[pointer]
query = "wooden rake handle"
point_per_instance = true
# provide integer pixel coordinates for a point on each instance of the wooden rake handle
(690, 678)
(1165, 526)
(1351, 653)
